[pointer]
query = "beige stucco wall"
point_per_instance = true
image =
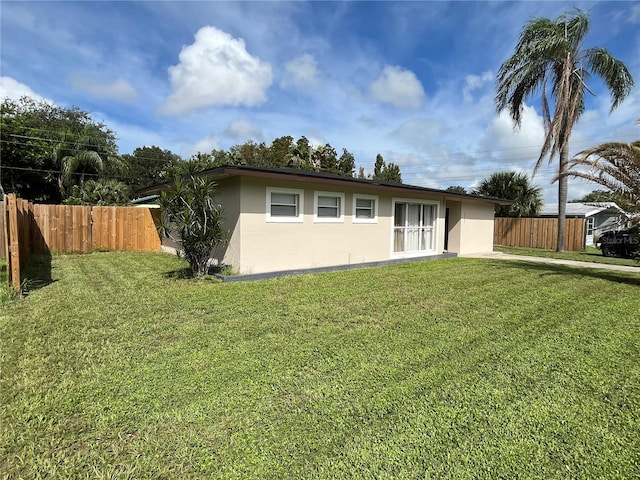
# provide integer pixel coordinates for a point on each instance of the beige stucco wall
(257, 245)
(230, 198)
(476, 228)
(455, 224)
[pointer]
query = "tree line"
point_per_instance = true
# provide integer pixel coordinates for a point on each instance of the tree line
(53, 154)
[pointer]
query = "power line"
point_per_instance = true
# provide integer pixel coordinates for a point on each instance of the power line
(430, 157)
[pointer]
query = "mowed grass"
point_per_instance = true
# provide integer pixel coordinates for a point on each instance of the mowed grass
(590, 254)
(460, 368)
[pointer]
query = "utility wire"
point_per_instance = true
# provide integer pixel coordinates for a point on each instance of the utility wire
(431, 157)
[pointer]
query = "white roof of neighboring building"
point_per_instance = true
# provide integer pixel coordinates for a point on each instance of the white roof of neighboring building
(580, 209)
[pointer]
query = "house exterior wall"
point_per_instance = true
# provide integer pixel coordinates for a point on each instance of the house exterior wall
(455, 225)
(476, 228)
(229, 195)
(272, 246)
(258, 245)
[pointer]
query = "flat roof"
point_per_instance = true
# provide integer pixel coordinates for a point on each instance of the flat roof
(310, 176)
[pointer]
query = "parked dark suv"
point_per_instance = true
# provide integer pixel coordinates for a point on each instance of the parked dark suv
(620, 243)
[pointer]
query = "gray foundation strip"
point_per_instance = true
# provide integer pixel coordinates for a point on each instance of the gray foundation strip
(305, 271)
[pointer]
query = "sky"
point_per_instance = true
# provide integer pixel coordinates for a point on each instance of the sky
(412, 81)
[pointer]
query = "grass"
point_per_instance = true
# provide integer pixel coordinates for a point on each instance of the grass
(6, 295)
(461, 368)
(591, 254)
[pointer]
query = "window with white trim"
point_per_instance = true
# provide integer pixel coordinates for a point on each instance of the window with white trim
(284, 205)
(365, 209)
(329, 207)
(591, 222)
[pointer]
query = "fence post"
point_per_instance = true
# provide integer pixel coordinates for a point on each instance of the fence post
(13, 255)
(531, 233)
(5, 236)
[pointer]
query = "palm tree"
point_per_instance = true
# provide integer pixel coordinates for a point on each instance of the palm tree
(615, 166)
(84, 154)
(527, 199)
(550, 54)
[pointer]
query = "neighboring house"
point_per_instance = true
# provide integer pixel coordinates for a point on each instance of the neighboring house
(600, 217)
(150, 201)
(286, 219)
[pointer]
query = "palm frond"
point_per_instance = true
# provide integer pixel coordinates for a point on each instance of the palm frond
(613, 73)
(613, 165)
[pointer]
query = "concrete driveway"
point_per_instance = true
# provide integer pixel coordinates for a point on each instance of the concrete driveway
(557, 261)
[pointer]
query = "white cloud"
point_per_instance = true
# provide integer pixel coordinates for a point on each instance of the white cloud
(398, 87)
(243, 130)
(13, 89)
(216, 70)
(510, 144)
(301, 72)
(205, 145)
(475, 82)
(421, 133)
(119, 89)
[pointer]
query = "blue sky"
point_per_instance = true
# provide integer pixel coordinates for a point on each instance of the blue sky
(413, 81)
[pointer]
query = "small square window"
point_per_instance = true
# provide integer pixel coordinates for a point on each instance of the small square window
(365, 209)
(329, 207)
(284, 205)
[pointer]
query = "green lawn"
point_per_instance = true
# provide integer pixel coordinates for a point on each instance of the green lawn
(5, 292)
(460, 368)
(591, 254)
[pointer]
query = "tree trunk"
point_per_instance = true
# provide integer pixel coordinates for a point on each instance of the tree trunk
(563, 181)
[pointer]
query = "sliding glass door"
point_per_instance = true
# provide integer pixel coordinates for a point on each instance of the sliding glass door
(413, 227)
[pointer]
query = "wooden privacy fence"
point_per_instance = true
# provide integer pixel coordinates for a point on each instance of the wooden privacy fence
(34, 228)
(539, 233)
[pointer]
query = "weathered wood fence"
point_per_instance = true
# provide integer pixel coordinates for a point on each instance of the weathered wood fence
(29, 228)
(539, 233)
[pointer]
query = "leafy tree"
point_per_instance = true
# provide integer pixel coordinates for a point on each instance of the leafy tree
(379, 166)
(550, 54)
(512, 186)
(391, 173)
(30, 132)
(147, 166)
(250, 153)
(325, 158)
(456, 189)
(361, 174)
(615, 166)
(278, 153)
(386, 172)
(193, 219)
(346, 163)
(104, 191)
(299, 155)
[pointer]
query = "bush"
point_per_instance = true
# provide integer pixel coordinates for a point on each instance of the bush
(193, 219)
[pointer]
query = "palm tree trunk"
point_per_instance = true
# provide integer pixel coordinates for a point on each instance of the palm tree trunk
(563, 181)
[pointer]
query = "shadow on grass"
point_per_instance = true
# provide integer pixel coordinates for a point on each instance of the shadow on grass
(37, 272)
(629, 278)
(3, 273)
(179, 274)
(186, 272)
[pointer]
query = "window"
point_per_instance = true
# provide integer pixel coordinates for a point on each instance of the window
(414, 227)
(329, 207)
(284, 205)
(365, 209)
(590, 225)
